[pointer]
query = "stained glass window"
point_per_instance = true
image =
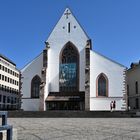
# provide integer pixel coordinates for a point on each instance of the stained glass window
(35, 87)
(102, 85)
(69, 69)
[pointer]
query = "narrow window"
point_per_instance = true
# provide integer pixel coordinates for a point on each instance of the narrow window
(137, 103)
(69, 27)
(3, 77)
(102, 85)
(128, 90)
(136, 87)
(35, 87)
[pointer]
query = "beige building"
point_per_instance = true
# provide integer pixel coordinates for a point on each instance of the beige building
(133, 86)
(9, 85)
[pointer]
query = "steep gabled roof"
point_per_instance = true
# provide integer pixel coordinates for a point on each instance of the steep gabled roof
(108, 59)
(68, 14)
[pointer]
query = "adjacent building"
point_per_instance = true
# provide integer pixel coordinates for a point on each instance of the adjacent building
(70, 75)
(133, 86)
(10, 97)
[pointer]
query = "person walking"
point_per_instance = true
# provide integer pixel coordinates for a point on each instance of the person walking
(114, 105)
(111, 106)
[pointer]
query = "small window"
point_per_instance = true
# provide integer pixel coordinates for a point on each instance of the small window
(128, 90)
(102, 85)
(136, 87)
(0, 98)
(4, 99)
(69, 27)
(6, 78)
(2, 88)
(3, 77)
(137, 103)
(35, 87)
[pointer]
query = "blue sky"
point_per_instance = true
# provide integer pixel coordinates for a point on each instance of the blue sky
(113, 26)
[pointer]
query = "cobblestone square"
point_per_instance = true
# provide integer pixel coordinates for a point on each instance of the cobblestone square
(77, 128)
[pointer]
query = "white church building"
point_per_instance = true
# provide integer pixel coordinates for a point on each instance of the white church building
(69, 75)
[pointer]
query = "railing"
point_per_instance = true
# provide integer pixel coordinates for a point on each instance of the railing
(5, 126)
(7, 106)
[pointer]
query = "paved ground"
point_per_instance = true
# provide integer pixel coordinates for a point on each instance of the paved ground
(77, 129)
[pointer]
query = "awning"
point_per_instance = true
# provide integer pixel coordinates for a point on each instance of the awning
(63, 98)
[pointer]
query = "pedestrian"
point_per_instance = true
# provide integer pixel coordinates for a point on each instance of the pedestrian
(114, 105)
(111, 106)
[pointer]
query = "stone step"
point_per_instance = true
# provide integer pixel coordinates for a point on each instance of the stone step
(68, 114)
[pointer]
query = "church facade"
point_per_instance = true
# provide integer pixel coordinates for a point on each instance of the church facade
(70, 75)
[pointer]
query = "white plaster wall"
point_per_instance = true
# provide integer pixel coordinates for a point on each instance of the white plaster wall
(104, 103)
(114, 72)
(28, 72)
(30, 104)
(58, 38)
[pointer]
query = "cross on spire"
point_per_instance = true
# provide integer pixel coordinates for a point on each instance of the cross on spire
(67, 14)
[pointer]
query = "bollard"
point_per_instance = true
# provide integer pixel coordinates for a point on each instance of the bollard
(5, 126)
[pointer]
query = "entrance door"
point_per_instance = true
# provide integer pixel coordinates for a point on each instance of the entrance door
(64, 105)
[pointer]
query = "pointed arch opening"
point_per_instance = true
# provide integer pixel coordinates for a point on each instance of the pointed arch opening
(35, 86)
(102, 85)
(69, 69)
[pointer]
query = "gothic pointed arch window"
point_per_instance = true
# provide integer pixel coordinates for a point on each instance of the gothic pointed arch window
(69, 68)
(102, 85)
(35, 86)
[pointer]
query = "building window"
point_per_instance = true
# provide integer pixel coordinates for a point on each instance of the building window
(136, 87)
(69, 68)
(102, 85)
(137, 103)
(3, 77)
(128, 90)
(35, 87)
(69, 27)
(4, 99)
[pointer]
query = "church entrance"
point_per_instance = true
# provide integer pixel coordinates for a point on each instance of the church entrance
(65, 101)
(64, 105)
(68, 97)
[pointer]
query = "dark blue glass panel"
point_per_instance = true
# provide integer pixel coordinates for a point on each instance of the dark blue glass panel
(68, 76)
